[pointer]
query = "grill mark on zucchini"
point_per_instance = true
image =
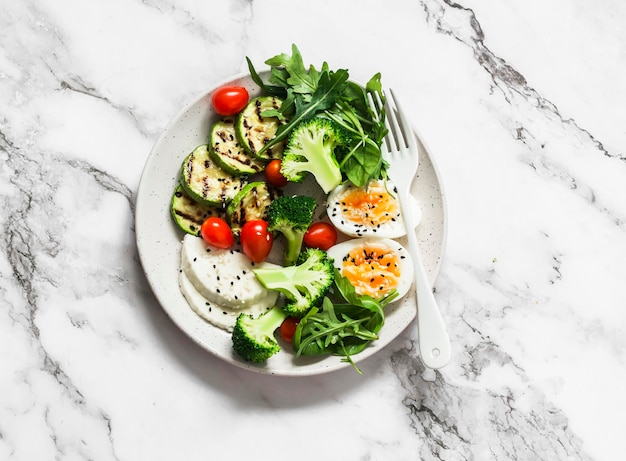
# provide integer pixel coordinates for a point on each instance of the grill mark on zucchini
(250, 146)
(255, 131)
(257, 103)
(207, 183)
(229, 153)
(250, 203)
(189, 214)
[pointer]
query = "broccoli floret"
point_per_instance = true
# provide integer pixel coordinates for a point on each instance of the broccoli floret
(253, 338)
(291, 215)
(310, 149)
(304, 284)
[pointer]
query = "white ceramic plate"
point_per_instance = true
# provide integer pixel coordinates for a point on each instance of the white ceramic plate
(158, 241)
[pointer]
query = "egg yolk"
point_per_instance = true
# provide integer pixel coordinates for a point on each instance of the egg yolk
(372, 268)
(369, 206)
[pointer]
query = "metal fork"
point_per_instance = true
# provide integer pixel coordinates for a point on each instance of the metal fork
(401, 151)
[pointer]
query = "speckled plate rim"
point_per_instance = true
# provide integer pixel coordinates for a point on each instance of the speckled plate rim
(158, 240)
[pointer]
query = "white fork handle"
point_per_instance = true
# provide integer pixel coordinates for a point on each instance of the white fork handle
(433, 339)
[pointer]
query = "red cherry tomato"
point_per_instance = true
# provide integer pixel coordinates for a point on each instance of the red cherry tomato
(216, 232)
(288, 328)
(256, 240)
(320, 235)
(273, 174)
(229, 100)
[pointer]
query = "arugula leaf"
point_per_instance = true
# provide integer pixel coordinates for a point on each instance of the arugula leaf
(329, 89)
(327, 330)
(345, 327)
(271, 90)
(289, 71)
(310, 92)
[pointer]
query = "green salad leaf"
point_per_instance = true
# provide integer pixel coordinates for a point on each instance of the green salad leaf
(311, 92)
(345, 326)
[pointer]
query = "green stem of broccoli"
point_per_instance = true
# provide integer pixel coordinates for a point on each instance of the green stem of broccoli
(271, 320)
(294, 245)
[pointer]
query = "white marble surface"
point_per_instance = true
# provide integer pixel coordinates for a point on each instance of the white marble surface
(522, 104)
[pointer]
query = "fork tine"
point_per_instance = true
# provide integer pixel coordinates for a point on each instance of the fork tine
(380, 113)
(408, 139)
(376, 104)
(393, 125)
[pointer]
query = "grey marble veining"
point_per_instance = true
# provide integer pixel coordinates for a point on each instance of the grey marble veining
(531, 285)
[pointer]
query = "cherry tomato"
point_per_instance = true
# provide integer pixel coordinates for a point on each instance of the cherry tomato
(288, 328)
(273, 175)
(230, 99)
(320, 235)
(216, 232)
(256, 240)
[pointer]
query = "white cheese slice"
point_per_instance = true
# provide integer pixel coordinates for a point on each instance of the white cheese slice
(220, 284)
(219, 316)
(224, 277)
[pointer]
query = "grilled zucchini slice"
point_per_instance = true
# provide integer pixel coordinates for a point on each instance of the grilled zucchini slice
(250, 203)
(189, 214)
(254, 131)
(228, 153)
(207, 183)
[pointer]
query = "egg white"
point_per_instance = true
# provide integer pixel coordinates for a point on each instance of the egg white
(393, 228)
(405, 280)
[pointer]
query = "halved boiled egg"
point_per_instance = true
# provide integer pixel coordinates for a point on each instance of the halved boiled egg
(370, 210)
(374, 266)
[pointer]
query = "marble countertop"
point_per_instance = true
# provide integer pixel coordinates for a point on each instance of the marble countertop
(522, 105)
